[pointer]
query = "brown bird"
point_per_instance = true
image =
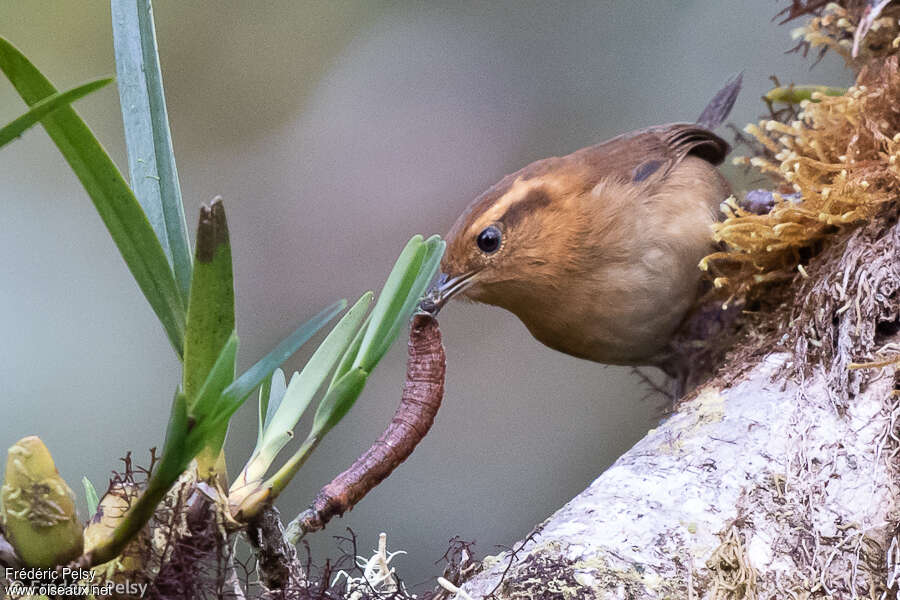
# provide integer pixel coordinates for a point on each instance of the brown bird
(597, 252)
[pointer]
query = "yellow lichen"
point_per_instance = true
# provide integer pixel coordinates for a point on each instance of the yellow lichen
(709, 406)
(838, 28)
(838, 166)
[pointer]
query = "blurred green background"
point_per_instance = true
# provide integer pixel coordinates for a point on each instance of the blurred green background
(334, 131)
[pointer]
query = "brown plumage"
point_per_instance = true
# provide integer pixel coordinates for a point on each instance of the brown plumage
(596, 252)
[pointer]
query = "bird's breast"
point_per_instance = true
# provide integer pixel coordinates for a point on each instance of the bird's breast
(633, 276)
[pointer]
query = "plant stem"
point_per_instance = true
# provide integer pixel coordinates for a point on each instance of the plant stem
(138, 515)
(283, 476)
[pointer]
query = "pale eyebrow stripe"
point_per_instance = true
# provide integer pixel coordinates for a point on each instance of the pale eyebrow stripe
(535, 198)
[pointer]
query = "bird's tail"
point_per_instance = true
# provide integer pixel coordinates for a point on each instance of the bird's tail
(718, 108)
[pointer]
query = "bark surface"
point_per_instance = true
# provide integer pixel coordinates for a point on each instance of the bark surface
(765, 489)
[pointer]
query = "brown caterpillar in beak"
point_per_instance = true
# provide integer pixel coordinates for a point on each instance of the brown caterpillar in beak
(422, 395)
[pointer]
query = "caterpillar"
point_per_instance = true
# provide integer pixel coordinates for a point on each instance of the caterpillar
(421, 399)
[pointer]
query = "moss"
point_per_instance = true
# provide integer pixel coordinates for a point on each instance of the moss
(840, 155)
(546, 573)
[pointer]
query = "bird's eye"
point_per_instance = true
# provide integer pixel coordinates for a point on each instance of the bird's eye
(489, 239)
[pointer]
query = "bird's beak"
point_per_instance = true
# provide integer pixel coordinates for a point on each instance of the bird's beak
(444, 288)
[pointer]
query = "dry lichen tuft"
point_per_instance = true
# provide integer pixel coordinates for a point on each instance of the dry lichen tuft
(840, 157)
(858, 30)
(732, 574)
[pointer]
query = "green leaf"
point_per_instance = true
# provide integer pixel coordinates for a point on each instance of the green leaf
(393, 296)
(151, 159)
(208, 405)
(277, 482)
(113, 199)
(265, 390)
(795, 94)
(253, 376)
(265, 397)
(210, 316)
(412, 273)
(175, 457)
(277, 388)
(338, 401)
(236, 393)
(93, 501)
(46, 106)
(209, 398)
(305, 384)
(434, 251)
(351, 353)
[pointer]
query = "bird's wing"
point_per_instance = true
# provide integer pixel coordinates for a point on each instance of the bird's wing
(651, 154)
(638, 155)
(718, 108)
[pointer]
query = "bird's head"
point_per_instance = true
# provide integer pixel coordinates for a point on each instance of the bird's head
(513, 238)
